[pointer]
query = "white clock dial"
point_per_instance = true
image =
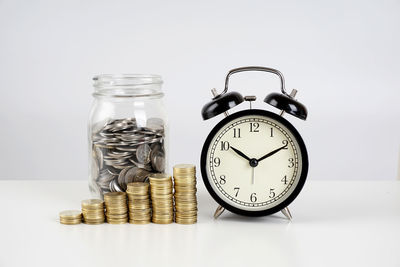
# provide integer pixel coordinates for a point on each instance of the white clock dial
(276, 159)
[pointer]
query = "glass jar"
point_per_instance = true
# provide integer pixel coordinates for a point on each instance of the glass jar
(128, 132)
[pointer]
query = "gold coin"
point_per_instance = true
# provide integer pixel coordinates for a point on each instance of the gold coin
(136, 208)
(117, 216)
(94, 221)
(162, 205)
(139, 221)
(117, 207)
(117, 221)
(185, 200)
(185, 188)
(157, 212)
(98, 220)
(70, 214)
(184, 167)
(93, 214)
(114, 195)
(184, 221)
(138, 197)
(94, 217)
(139, 206)
(184, 216)
(144, 211)
(185, 204)
(138, 201)
(70, 222)
(163, 221)
(135, 185)
(116, 211)
(140, 218)
(84, 211)
(92, 204)
(180, 210)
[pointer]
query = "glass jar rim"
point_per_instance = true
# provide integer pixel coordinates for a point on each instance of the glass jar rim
(127, 85)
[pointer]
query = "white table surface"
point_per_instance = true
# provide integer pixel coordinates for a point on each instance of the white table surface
(334, 224)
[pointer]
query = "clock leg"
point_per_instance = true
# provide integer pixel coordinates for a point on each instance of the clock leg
(218, 212)
(287, 213)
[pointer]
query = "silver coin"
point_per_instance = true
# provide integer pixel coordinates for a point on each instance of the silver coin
(130, 175)
(158, 161)
(99, 156)
(121, 177)
(141, 175)
(143, 153)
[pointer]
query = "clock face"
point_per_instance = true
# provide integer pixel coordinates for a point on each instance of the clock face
(254, 162)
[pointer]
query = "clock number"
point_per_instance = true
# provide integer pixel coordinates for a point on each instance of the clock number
(222, 179)
(224, 145)
(272, 193)
(291, 163)
(236, 133)
(272, 132)
(284, 179)
(253, 197)
(254, 127)
(285, 142)
(237, 191)
(217, 162)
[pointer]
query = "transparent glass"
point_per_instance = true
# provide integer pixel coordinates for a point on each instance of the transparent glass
(127, 131)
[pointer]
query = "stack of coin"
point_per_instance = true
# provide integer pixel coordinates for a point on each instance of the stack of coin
(139, 202)
(93, 211)
(116, 208)
(71, 217)
(161, 196)
(185, 193)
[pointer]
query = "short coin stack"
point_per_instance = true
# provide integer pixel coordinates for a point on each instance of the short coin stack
(139, 203)
(116, 208)
(185, 194)
(70, 217)
(161, 196)
(93, 211)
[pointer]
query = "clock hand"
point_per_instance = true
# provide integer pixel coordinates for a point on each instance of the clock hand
(252, 175)
(271, 153)
(240, 153)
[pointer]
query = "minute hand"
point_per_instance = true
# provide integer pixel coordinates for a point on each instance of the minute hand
(271, 153)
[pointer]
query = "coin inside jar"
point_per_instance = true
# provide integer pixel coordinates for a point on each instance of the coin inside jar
(125, 152)
(143, 153)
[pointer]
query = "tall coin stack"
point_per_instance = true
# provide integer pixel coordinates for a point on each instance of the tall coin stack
(93, 211)
(116, 208)
(139, 202)
(185, 193)
(161, 196)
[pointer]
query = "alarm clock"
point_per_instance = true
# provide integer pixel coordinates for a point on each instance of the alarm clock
(254, 162)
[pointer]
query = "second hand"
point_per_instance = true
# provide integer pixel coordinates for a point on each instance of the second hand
(252, 175)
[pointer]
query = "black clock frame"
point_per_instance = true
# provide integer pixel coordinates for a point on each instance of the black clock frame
(303, 151)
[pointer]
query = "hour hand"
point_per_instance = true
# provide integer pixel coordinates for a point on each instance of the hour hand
(240, 153)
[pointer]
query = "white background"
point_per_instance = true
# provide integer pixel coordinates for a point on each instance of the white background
(342, 56)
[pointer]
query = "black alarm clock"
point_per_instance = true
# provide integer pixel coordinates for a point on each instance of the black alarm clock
(254, 162)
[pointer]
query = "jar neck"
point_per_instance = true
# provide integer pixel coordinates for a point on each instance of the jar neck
(128, 85)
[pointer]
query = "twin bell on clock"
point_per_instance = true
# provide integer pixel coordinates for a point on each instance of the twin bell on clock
(254, 162)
